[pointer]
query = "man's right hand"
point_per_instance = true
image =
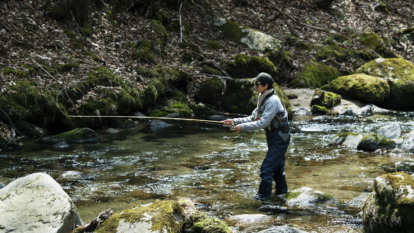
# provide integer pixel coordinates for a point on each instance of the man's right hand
(228, 122)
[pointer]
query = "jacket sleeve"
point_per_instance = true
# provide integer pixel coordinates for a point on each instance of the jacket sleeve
(267, 117)
(246, 119)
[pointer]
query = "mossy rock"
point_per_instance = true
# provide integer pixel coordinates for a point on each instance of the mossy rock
(319, 110)
(342, 54)
(292, 96)
(200, 222)
(399, 75)
(382, 8)
(160, 31)
(325, 99)
(210, 91)
(389, 208)
(79, 135)
(86, 29)
(208, 70)
(213, 45)
(156, 217)
(246, 36)
(305, 197)
(158, 113)
(365, 87)
(371, 40)
(297, 43)
(347, 139)
(202, 110)
(240, 97)
(144, 45)
(375, 141)
(281, 60)
(315, 74)
(68, 66)
(29, 129)
(245, 66)
(145, 55)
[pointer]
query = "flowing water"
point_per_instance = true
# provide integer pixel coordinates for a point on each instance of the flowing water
(216, 167)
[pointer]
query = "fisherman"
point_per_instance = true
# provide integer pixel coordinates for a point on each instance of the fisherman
(271, 116)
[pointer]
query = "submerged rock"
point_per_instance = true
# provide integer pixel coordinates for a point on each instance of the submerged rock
(79, 135)
(61, 146)
(369, 88)
(406, 166)
(246, 36)
(372, 142)
(282, 229)
(157, 124)
(160, 216)
(391, 131)
(73, 176)
(389, 208)
(319, 110)
(305, 196)
(112, 130)
(347, 139)
(37, 203)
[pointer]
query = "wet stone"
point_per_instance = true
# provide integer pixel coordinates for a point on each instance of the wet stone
(304, 197)
(112, 130)
(398, 151)
(408, 143)
(61, 146)
(406, 166)
(79, 135)
(391, 131)
(366, 110)
(346, 111)
(71, 176)
(282, 229)
(157, 124)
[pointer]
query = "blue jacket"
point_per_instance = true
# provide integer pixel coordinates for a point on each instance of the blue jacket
(270, 107)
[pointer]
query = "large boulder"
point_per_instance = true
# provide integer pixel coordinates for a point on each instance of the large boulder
(372, 142)
(304, 197)
(391, 131)
(408, 144)
(37, 203)
(243, 66)
(390, 207)
(315, 74)
(369, 88)
(210, 92)
(240, 96)
(160, 216)
(399, 74)
(325, 98)
(346, 139)
(246, 36)
(79, 135)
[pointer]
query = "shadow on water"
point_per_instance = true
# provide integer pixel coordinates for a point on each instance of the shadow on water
(216, 167)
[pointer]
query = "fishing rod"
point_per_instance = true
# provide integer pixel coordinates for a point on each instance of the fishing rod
(160, 118)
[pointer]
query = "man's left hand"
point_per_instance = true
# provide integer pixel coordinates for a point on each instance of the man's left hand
(238, 128)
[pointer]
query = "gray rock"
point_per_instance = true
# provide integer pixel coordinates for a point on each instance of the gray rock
(157, 124)
(2, 185)
(391, 131)
(37, 203)
(346, 111)
(301, 111)
(408, 143)
(398, 141)
(366, 110)
(398, 151)
(61, 146)
(373, 142)
(79, 135)
(282, 229)
(217, 118)
(249, 218)
(112, 130)
(350, 140)
(304, 197)
(406, 166)
(71, 176)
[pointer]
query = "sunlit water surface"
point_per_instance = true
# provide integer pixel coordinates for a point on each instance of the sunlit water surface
(215, 167)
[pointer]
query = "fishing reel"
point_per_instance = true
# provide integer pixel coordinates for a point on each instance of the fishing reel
(232, 126)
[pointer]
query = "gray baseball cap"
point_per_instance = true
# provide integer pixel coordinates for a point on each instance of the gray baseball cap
(264, 79)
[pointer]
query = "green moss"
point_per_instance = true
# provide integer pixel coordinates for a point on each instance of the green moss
(319, 110)
(73, 39)
(326, 99)
(158, 113)
(162, 213)
(75, 136)
(48, 68)
(371, 89)
(340, 38)
(297, 43)
(315, 74)
(199, 222)
(93, 56)
(68, 67)
(234, 31)
(145, 55)
(292, 195)
(292, 96)
(7, 71)
(281, 60)
(284, 99)
(160, 31)
(209, 70)
(144, 45)
(202, 110)
(342, 54)
(399, 74)
(210, 91)
(86, 29)
(192, 47)
(375, 141)
(371, 40)
(213, 45)
(382, 8)
(245, 66)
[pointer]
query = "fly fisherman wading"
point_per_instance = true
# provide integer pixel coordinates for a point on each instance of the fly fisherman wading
(269, 112)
